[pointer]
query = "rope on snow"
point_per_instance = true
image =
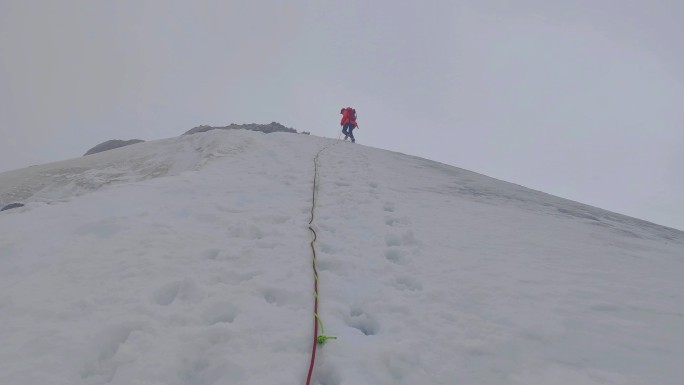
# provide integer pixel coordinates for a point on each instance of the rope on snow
(322, 338)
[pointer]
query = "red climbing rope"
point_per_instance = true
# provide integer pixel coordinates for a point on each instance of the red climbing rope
(315, 339)
(317, 320)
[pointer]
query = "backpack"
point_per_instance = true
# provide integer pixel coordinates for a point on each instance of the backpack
(348, 113)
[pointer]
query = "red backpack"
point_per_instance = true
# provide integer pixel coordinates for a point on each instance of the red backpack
(348, 115)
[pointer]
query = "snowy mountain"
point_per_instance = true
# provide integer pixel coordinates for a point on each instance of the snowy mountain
(188, 261)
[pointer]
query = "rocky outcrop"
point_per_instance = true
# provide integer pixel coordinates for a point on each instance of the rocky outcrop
(12, 206)
(267, 128)
(111, 144)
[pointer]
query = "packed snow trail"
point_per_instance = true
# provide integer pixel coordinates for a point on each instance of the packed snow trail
(318, 339)
(192, 267)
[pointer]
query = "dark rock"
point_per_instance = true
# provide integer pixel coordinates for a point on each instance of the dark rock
(267, 128)
(111, 144)
(12, 206)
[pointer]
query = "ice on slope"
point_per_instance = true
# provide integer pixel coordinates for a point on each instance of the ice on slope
(428, 273)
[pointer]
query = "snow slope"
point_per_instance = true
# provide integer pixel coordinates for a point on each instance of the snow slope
(187, 261)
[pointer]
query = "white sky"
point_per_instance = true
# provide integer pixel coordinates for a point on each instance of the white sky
(579, 99)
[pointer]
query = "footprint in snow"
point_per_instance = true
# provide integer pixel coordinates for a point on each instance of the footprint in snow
(405, 239)
(407, 283)
(393, 221)
(389, 207)
(105, 345)
(168, 293)
(360, 320)
(211, 254)
(396, 255)
(220, 312)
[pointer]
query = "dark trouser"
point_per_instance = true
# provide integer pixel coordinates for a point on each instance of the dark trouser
(347, 131)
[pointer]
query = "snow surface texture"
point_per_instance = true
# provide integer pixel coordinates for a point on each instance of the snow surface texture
(187, 261)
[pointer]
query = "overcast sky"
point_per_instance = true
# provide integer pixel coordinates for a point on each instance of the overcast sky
(582, 99)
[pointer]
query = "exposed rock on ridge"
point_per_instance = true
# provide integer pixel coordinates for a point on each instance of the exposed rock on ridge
(12, 206)
(267, 128)
(111, 144)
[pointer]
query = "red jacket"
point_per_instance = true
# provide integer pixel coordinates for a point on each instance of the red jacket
(348, 116)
